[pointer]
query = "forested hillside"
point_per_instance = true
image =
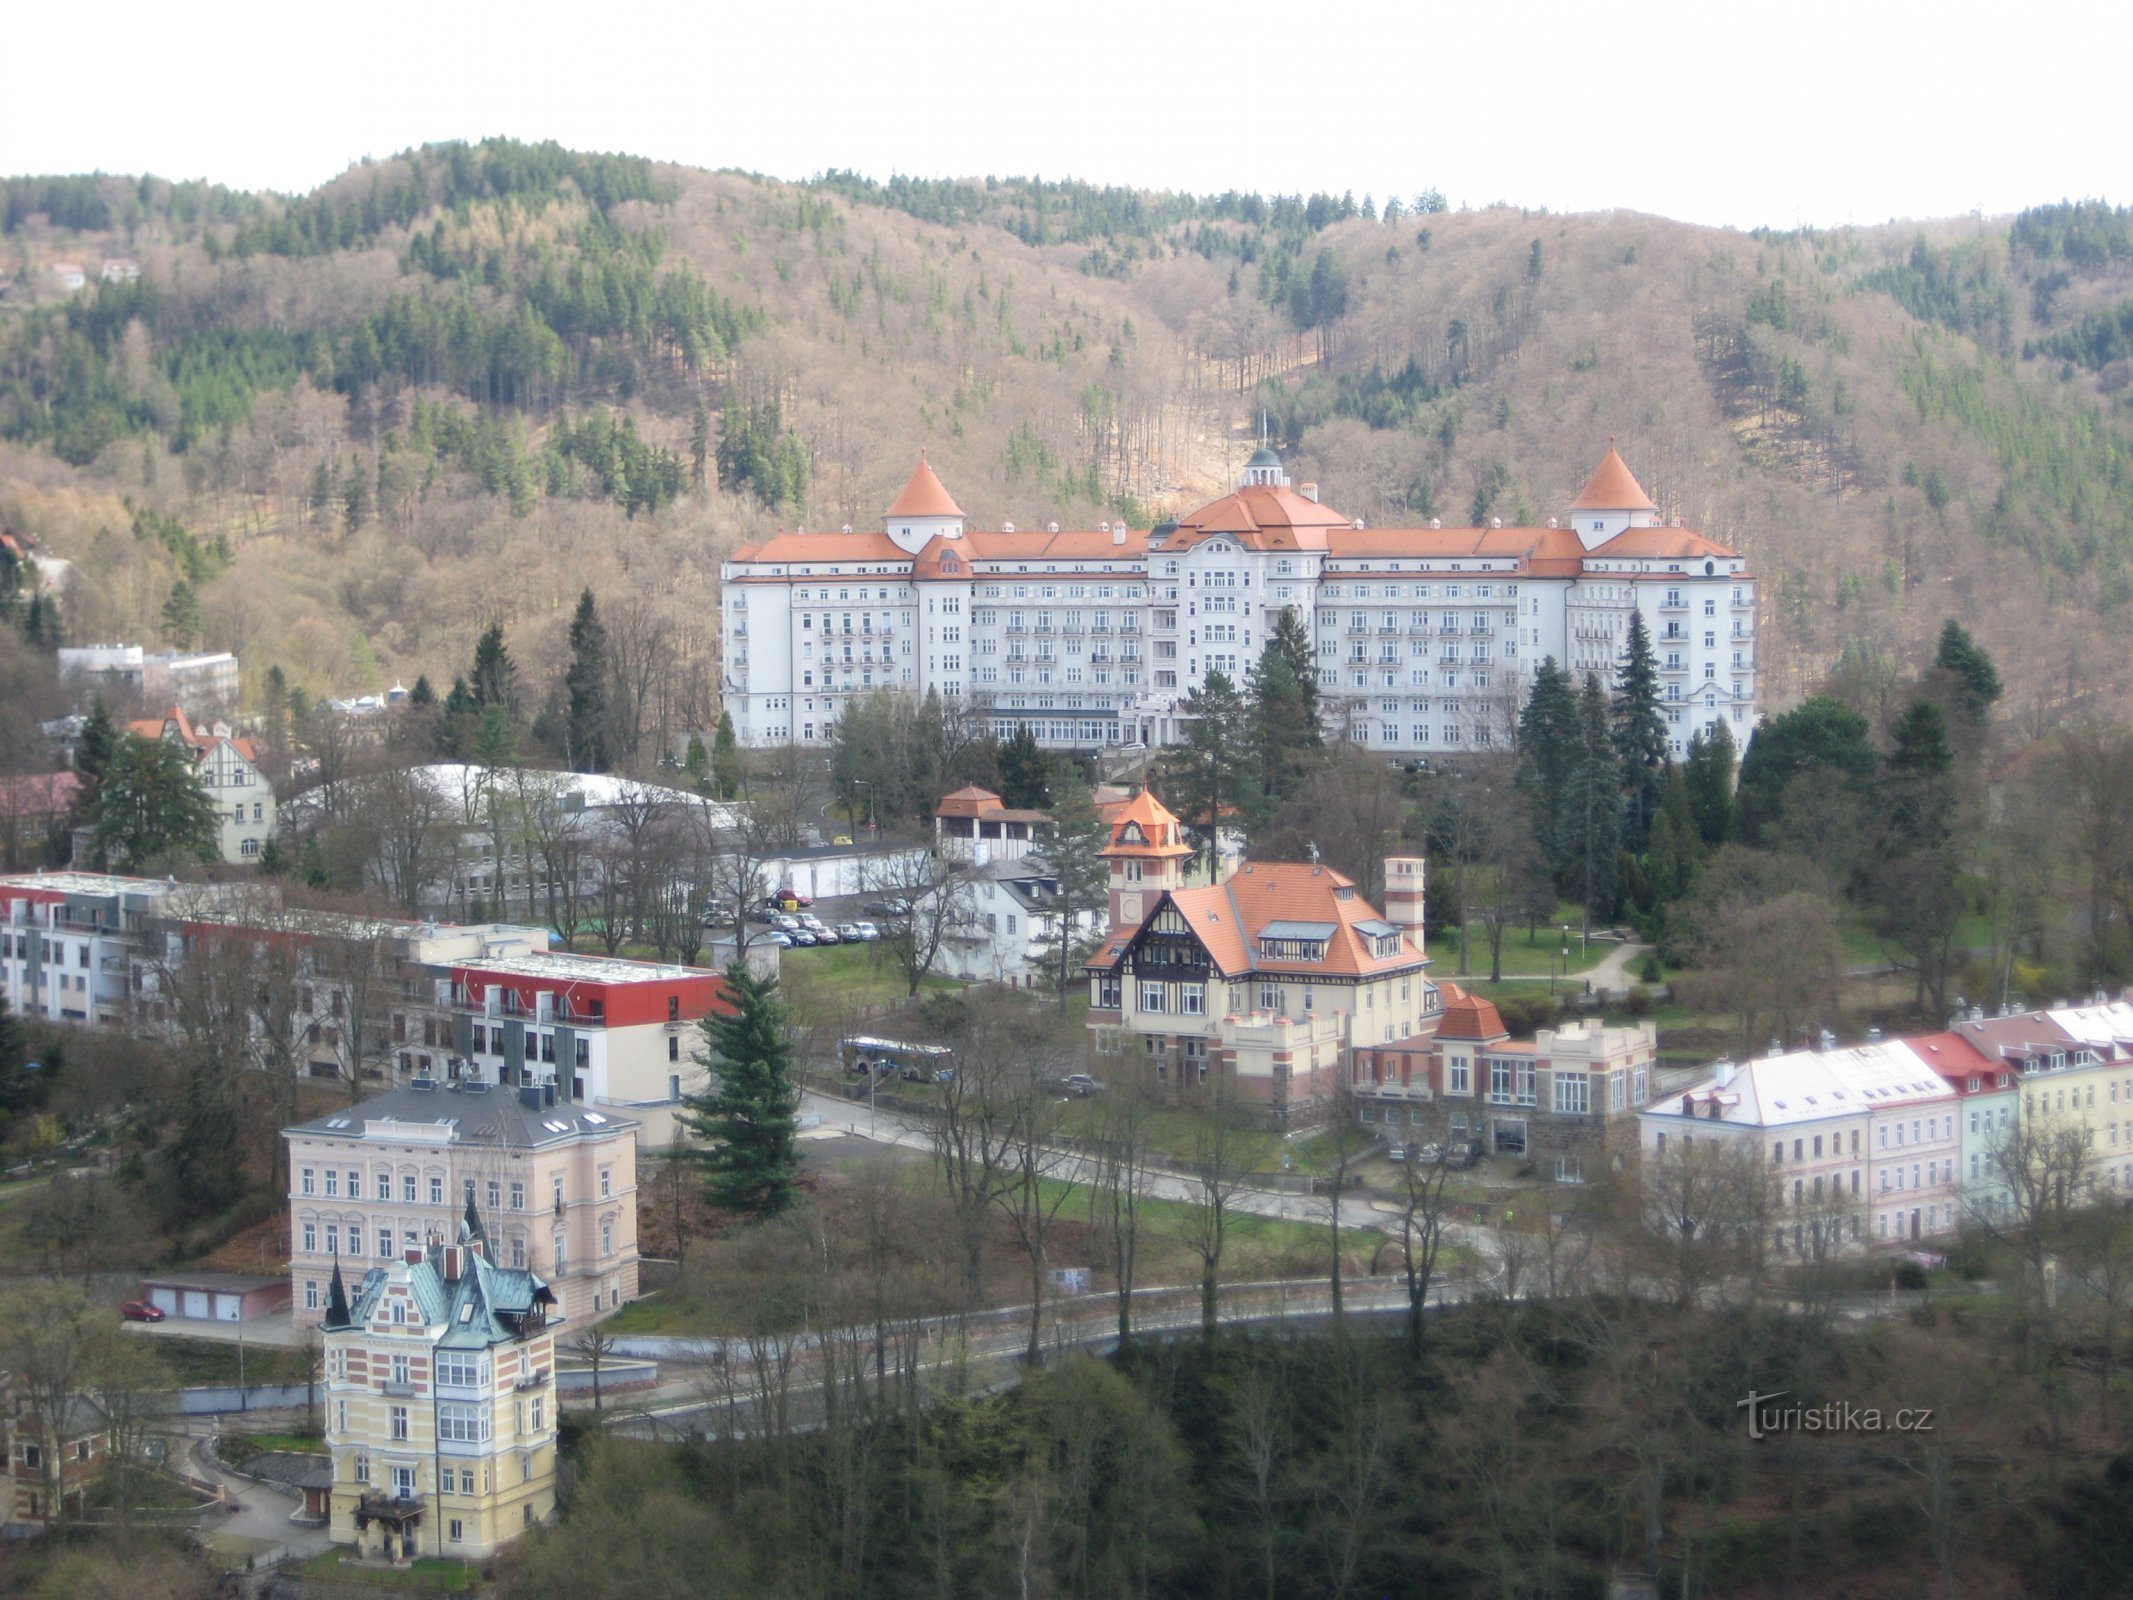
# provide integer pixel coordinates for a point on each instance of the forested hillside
(461, 385)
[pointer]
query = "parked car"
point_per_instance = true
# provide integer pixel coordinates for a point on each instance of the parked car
(848, 933)
(1397, 1152)
(826, 935)
(800, 938)
(1080, 1085)
(778, 937)
(1427, 1155)
(784, 923)
(866, 932)
(141, 1311)
(897, 907)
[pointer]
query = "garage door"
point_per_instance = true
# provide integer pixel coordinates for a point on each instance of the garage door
(164, 1300)
(196, 1303)
(228, 1307)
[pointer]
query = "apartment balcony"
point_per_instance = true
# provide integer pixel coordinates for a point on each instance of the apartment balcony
(1099, 627)
(1016, 627)
(390, 1508)
(1046, 627)
(739, 631)
(1356, 630)
(1674, 669)
(1129, 627)
(1675, 604)
(1743, 605)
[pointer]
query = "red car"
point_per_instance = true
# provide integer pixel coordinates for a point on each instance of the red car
(141, 1311)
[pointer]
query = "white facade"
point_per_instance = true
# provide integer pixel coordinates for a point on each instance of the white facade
(1425, 637)
(242, 798)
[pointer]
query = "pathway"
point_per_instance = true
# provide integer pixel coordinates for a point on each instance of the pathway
(259, 1526)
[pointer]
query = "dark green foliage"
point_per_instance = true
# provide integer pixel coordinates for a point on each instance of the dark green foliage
(1025, 775)
(1969, 668)
(1639, 734)
(725, 759)
(1956, 288)
(494, 679)
(755, 453)
(585, 685)
(2088, 235)
(745, 1120)
(1547, 738)
(181, 617)
(1069, 856)
(1919, 797)
(421, 696)
(1210, 773)
(20, 1089)
(1676, 849)
(1590, 817)
(1707, 779)
(1282, 690)
(1373, 396)
(150, 810)
(2098, 340)
(1823, 737)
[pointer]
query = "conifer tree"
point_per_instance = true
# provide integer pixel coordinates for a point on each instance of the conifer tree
(697, 761)
(494, 680)
(1708, 779)
(1211, 769)
(725, 759)
(1975, 678)
(421, 696)
(1639, 734)
(1282, 687)
(181, 617)
(1591, 811)
(585, 682)
(1920, 797)
(150, 809)
(1069, 856)
(745, 1121)
(1672, 862)
(1025, 775)
(92, 755)
(1547, 732)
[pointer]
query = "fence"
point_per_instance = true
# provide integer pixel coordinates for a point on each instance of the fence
(206, 1401)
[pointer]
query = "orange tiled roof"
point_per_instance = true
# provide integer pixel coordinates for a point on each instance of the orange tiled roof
(1262, 517)
(1159, 829)
(1672, 543)
(823, 547)
(923, 495)
(1613, 487)
(1229, 918)
(1469, 1016)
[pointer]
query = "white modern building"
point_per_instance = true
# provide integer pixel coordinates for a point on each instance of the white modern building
(1425, 637)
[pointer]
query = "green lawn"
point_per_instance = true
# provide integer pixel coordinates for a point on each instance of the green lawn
(238, 1448)
(198, 1362)
(433, 1574)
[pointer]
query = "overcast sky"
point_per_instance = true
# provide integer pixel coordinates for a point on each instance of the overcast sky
(1815, 112)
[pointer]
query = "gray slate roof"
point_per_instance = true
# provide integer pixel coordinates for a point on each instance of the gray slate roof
(495, 1115)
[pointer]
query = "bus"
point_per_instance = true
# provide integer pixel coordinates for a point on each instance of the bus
(869, 1061)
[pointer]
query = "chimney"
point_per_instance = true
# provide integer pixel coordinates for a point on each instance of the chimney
(1724, 1073)
(1406, 893)
(1118, 533)
(1309, 491)
(1873, 1036)
(451, 1263)
(548, 1092)
(1688, 1105)
(412, 1255)
(1436, 522)
(529, 1096)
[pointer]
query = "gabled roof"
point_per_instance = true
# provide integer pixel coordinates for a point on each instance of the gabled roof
(484, 1305)
(923, 495)
(1284, 900)
(970, 802)
(1672, 544)
(1261, 517)
(1613, 487)
(1957, 1060)
(1143, 826)
(791, 547)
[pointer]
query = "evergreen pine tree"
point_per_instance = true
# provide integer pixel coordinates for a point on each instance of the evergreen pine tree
(19, 1088)
(495, 741)
(697, 762)
(745, 1121)
(1547, 733)
(1708, 779)
(92, 757)
(181, 617)
(1920, 797)
(1592, 805)
(1025, 775)
(1672, 862)
(422, 696)
(1069, 857)
(1211, 768)
(725, 759)
(1976, 680)
(494, 680)
(151, 810)
(585, 682)
(1639, 730)
(1282, 686)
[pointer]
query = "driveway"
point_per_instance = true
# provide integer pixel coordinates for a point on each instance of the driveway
(259, 1527)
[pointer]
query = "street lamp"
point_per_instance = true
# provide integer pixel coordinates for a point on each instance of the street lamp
(1562, 955)
(866, 784)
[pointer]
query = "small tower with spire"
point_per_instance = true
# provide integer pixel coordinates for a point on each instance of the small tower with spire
(923, 510)
(1612, 500)
(1147, 856)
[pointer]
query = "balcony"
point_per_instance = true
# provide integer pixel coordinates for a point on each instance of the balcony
(1357, 629)
(397, 1509)
(1673, 602)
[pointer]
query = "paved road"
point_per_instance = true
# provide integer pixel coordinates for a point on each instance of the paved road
(260, 1525)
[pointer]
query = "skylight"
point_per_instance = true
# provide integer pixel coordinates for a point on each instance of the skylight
(595, 1118)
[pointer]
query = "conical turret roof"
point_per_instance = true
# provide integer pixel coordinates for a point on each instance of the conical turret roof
(924, 495)
(1613, 487)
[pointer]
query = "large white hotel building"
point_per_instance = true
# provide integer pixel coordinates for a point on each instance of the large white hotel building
(1425, 637)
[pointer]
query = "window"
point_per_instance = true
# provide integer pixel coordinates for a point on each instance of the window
(607, 1238)
(305, 1182)
(459, 1369)
(399, 1422)
(518, 1195)
(333, 1184)
(462, 1423)
(385, 1186)
(407, 1189)
(310, 1294)
(674, 1047)
(1573, 1093)
(436, 1191)
(606, 1182)
(1192, 998)
(311, 1238)
(1152, 997)
(455, 1530)
(556, 1252)
(495, 1194)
